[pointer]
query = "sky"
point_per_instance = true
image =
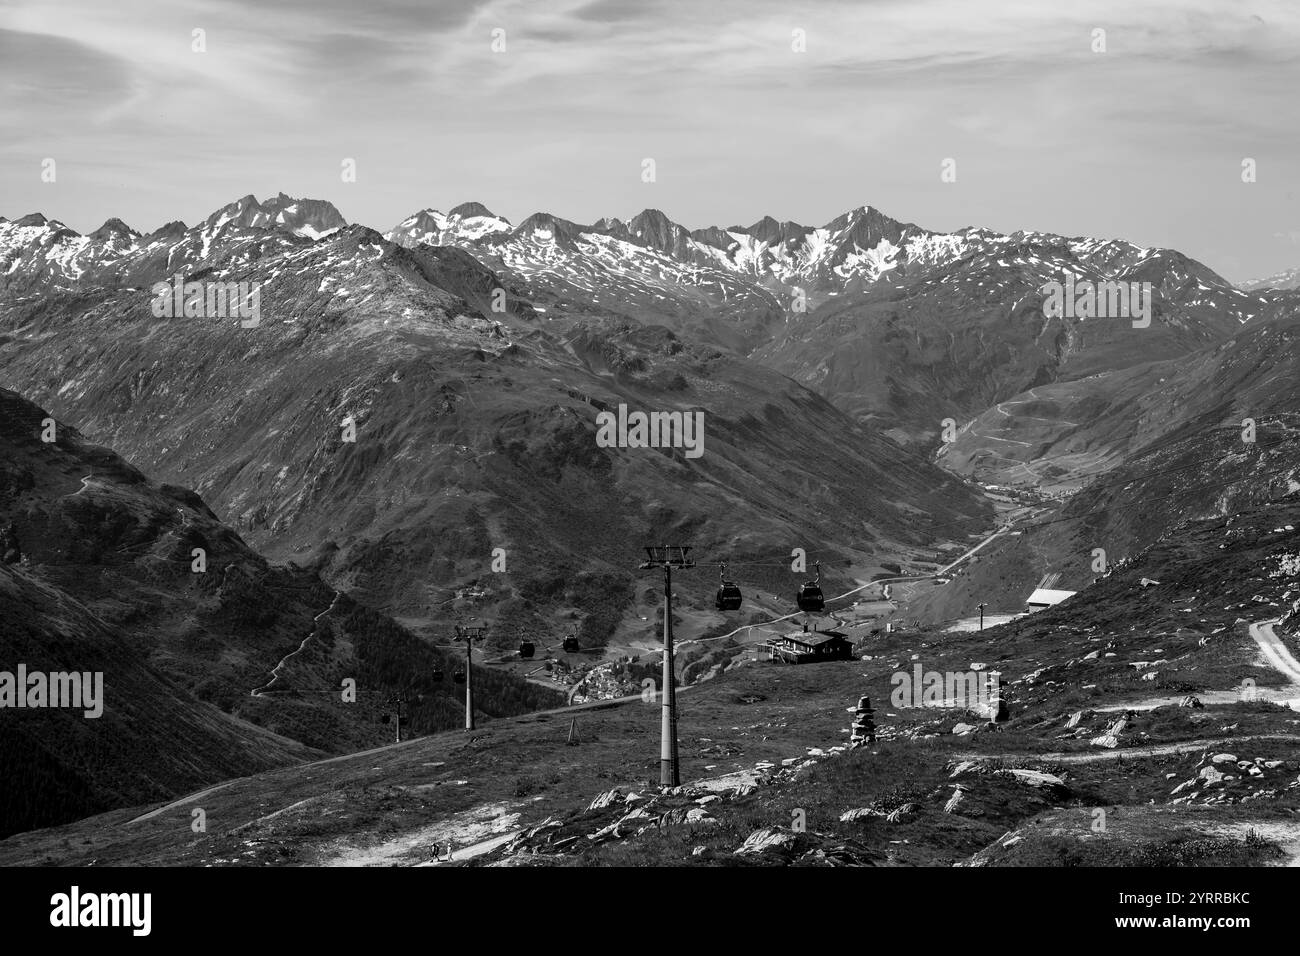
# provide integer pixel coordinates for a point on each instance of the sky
(798, 110)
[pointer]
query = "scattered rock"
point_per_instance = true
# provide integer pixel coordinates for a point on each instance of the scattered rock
(1210, 776)
(1036, 778)
(768, 838)
(606, 799)
(1110, 738)
(959, 794)
(897, 814)
(848, 816)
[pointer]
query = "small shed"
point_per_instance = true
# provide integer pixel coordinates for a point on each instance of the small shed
(1045, 598)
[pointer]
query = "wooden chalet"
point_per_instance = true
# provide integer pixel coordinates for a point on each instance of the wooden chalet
(811, 647)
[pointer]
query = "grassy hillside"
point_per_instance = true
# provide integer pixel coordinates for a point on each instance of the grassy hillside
(98, 576)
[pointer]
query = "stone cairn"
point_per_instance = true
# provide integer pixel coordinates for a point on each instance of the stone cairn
(864, 725)
(997, 708)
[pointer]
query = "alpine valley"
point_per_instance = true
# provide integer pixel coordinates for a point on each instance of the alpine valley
(408, 437)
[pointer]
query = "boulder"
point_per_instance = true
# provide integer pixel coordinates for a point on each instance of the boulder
(848, 816)
(768, 838)
(606, 799)
(958, 795)
(1210, 776)
(897, 814)
(1036, 778)
(964, 767)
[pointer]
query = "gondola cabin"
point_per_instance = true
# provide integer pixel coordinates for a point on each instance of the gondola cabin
(729, 597)
(571, 645)
(811, 647)
(459, 676)
(810, 598)
(526, 650)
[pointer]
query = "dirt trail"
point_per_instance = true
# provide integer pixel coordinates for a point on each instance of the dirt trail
(275, 671)
(469, 833)
(179, 803)
(1154, 750)
(1275, 654)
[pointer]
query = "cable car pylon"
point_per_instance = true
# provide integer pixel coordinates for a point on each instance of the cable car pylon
(668, 557)
(469, 633)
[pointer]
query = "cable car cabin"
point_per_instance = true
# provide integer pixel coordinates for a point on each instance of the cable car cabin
(571, 645)
(459, 676)
(526, 649)
(810, 598)
(438, 675)
(811, 647)
(729, 597)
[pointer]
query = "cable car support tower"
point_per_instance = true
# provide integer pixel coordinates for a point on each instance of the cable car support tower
(668, 557)
(469, 633)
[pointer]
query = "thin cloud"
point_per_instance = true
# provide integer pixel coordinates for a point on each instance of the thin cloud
(739, 123)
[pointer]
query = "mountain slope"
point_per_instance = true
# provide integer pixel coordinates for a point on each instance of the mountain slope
(1153, 459)
(763, 740)
(892, 323)
(97, 574)
(475, 430)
